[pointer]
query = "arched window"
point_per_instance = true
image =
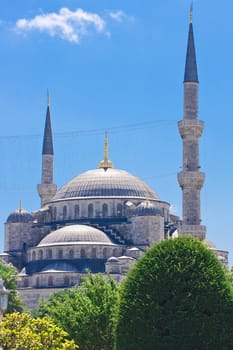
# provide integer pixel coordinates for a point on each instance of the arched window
(93, 253)
(60, 254)
(50, 281)
(66, 281)
(54, 214)
(33, 255)
(90, 210)
(76, 211)
(82, 253)
(105, 210)
(119, 210)
(49, 254)
(26, 283)
(114, 252)
(64, 212)
(71, 254)
(37, 282)
(105, 252)
(40, 255)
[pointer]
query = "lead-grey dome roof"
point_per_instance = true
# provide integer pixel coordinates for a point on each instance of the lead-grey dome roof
(107, 182)
(74, 234)
(20, 215)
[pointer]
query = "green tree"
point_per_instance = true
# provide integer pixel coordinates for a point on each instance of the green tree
(21, 331)
(176, 297)
(8, 273)
(86, 312)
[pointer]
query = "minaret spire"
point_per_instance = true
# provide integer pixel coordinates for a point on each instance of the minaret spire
(47, 188)
(48, 137)
(105, 163)
(191, 74)
(190, 178)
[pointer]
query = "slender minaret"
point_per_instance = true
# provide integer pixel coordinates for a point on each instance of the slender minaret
(190, 178)
(47, 188)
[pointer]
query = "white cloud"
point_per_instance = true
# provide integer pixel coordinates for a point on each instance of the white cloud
(68, 25)
(120, 16)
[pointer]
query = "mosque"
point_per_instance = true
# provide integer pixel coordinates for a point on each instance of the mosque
(104, 219)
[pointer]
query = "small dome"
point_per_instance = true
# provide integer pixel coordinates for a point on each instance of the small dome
(112, 260)
(146, 208)
(20, 215)
(74, 234)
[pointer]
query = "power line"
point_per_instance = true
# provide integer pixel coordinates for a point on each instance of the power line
(99, 131)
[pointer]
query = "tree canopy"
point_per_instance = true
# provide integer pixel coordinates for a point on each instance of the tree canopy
(87, 312)
(8, 273)
(21, 331)
(176, 297)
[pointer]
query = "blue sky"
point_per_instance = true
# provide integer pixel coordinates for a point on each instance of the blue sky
(116, 66)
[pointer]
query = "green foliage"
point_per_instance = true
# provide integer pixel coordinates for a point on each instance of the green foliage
(21, 331)
(176, 297)
(229, 273)
(8, 273)
(87, 312)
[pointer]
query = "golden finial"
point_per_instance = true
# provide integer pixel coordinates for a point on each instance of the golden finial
(191, 13)
(20, 206)
(106, 147)
(105, 163)
(48, 98)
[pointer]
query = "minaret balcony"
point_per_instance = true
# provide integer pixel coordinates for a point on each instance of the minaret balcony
(191, 179)
(190, 129)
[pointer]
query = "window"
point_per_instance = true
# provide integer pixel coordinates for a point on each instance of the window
(60, 254)
(66, 281)
(82, 253)
(114, 252)
(50, 281)
(40, 255)
(33, 255)
(105, 252)
(37, 282)
(64, 212)
(105, 210)
(49, 254)
(93, 253)
(90, 210)
(71, 254)
(76, 211)
(119, 210)
(54, 214)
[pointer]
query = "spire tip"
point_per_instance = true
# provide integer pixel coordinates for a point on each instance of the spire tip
(191, 13)
(48, 98)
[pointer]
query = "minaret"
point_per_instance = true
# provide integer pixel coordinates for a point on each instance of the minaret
(190, 178)
(47, 188)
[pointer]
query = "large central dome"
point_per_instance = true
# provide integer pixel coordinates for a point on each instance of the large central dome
(106, 182)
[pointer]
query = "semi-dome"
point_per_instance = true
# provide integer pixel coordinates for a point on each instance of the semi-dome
(106, 182)
(75, 234)
(20, 215)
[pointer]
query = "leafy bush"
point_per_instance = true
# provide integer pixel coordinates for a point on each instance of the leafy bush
(176, 297)
(87, 312)
(21, 331)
